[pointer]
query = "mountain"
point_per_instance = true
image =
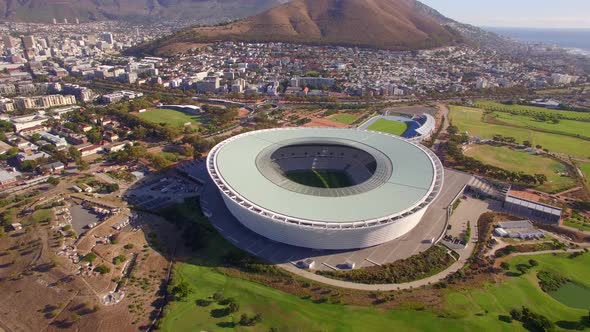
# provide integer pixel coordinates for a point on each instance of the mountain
(204, 11)
(385, 24)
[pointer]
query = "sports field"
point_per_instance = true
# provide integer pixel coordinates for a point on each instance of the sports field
(470, 120)
(389, 127)
(521, 161)
(320, 179)
(345, 118)
(169, 117)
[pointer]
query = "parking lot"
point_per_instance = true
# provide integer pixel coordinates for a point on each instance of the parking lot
(155, 193)
(433, 225)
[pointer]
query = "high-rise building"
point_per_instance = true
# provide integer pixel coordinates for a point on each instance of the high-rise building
(108, 37)
(54, 20)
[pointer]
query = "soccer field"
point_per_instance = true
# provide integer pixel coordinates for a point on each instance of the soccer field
(169, 117)
(320, 179)
(389, 127)
(470, 120)
(345, 118)
(521, 161)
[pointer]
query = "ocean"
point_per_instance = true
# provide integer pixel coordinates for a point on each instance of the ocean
(566, 38)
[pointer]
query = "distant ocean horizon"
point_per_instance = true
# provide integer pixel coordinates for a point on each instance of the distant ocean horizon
(566, 38)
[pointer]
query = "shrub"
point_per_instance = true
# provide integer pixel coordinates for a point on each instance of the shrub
(128, 246)
(203, 302)
(180, 291)
(90, 257)
(218, 296)
(505, 266)
(550, 282)
(102, 269)
(119, 259)
(233, 307)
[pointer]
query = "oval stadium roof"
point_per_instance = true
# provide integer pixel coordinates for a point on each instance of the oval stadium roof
(408, 182)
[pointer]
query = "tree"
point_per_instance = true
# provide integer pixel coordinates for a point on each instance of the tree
(180, 291)
(111, 187)
(90, 257)
(233, 307)
(82, 165)
(74, 153)
(102, 269)
(28, 165)
(53, 181)
(505, 266)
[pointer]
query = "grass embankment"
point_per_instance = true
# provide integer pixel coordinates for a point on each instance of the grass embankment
(389, 127)
(470, 120)
(522, 161)
(169, 117)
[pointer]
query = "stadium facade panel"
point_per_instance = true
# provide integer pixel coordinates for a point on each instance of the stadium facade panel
(392, 183)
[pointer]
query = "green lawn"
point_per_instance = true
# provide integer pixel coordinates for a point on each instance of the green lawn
(41, 215)
(571, 127)
(513, 160)
(531, 110)
(576, 224)
(345, 118)
(389, 127)
(464, 310)
(470, 120)
(169, 117)
(321, 179)
(573, 295)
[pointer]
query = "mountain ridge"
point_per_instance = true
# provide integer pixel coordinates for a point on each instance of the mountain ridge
(204, 11)
(383, 24)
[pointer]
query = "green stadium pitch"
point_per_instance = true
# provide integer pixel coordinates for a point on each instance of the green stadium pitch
(389, 127)
(321, 179)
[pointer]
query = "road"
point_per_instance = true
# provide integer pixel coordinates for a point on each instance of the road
(464, 212)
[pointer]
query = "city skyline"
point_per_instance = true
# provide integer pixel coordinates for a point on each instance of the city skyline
(570, 14)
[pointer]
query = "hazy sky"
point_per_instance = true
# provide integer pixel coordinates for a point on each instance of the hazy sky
(517, 13)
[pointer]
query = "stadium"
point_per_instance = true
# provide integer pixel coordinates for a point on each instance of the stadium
(325, 188)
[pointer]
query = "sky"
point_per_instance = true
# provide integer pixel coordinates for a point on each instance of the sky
(517, 13)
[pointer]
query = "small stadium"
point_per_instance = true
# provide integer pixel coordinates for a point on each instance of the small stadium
(418, 127)
(325, 188)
